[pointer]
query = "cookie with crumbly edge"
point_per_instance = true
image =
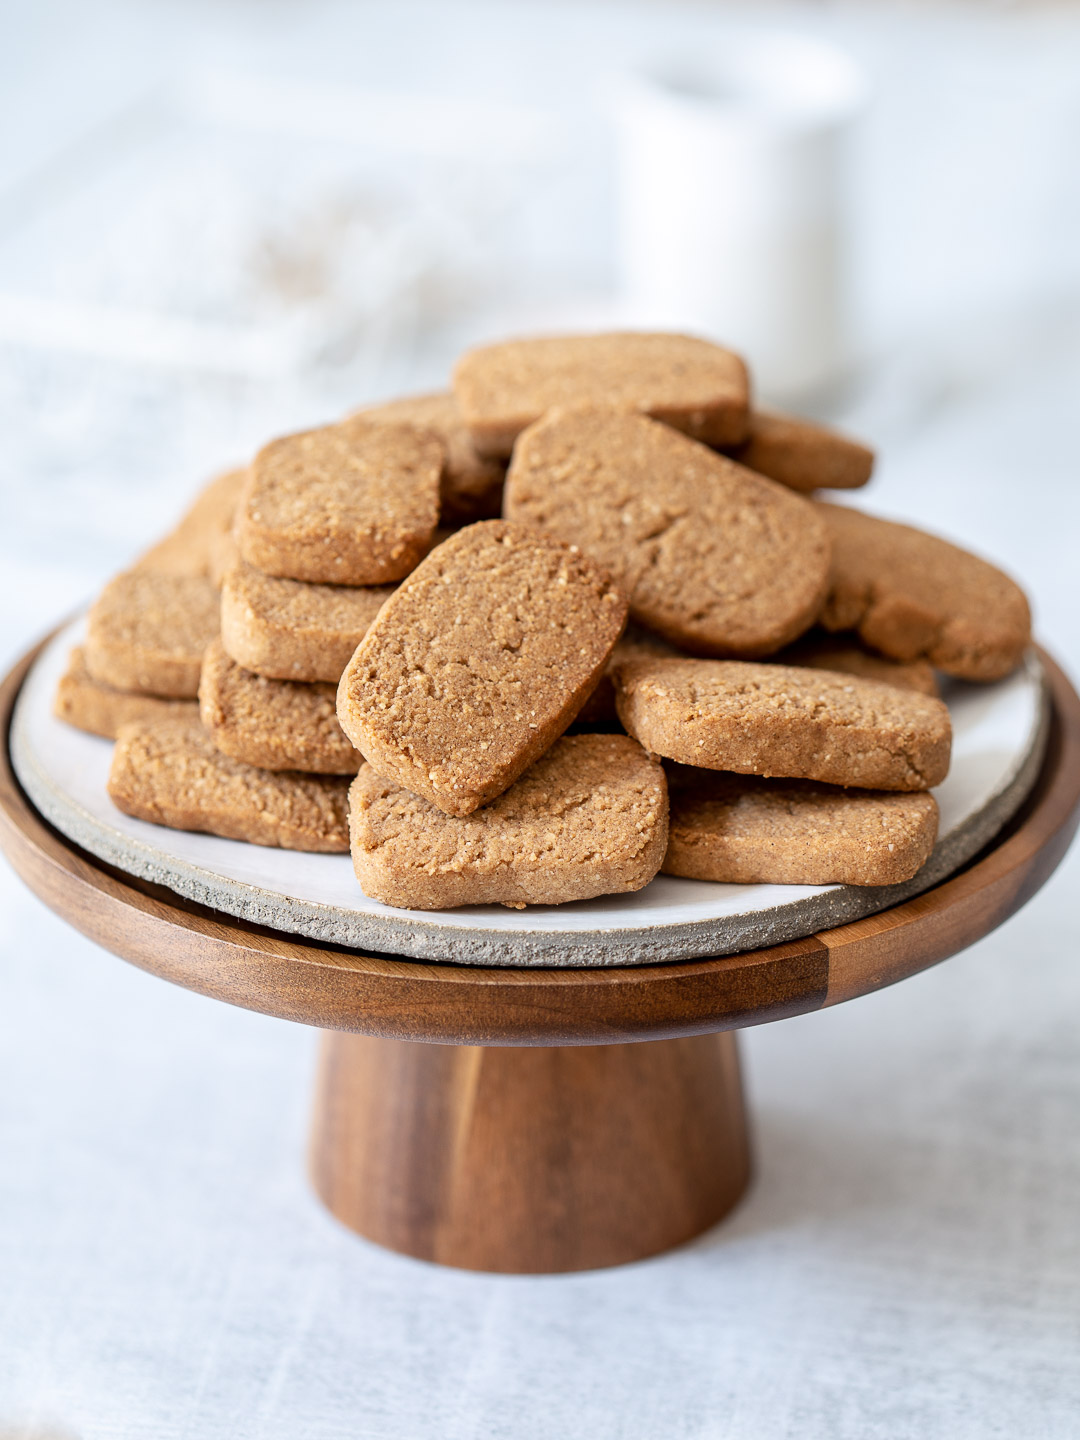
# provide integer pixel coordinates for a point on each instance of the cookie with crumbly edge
(716, 559)
(787, 721)
(147, 632)
(746, 830)
(634, 644)
(802, 455)
(349, 504)
(171, 773)
(913, 596)
(193, 546)
(101, 709)
(290, 630)
(472, 484)
(690, 384)
(276, 724)
(589, 818)
(479, 661)
(843, 651)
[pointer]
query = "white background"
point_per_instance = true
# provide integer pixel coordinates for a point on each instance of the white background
(192, 258)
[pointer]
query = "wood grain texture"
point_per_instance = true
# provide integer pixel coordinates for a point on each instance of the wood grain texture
(529, 1160)
(413, 1000)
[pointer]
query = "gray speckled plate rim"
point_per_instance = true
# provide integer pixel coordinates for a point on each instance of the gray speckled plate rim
(421, 936)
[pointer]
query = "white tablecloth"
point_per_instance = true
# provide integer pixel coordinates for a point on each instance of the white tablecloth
(907, 1263)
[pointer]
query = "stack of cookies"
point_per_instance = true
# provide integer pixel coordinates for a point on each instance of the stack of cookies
(578, 621)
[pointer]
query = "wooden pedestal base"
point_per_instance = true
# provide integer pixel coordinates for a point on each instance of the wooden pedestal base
(529, 1159)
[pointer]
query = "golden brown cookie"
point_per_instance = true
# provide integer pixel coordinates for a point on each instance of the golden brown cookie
(742, 829)
(911, 596)
(147, 632)
(688, 383)
(802, 455)
(472, 484)
(717, 560)
(479, 662)
(784, 720)
(101, 709)
(193, 547)
(846, 653)
(289, 630)
(349, 504)
(170, 772)
(635, 644)
(589, 818)
(276, 724)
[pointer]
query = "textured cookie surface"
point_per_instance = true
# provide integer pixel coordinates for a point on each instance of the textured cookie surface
(148, 631)
(692, 385)
(350, 504)
(912, 595)
(634, 644)
(172, 774)
(472, 483)
(784, 720)
(194, 546)
(715, 559)
(276, 724)
(844, 652)
(101, 709)
(742, 829)
(290, 630)
(802, 455)
(589, 818)
(478, 662)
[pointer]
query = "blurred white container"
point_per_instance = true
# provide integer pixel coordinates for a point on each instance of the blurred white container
(731, 200)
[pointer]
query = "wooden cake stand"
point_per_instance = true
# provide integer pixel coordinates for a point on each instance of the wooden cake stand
(532, 1132)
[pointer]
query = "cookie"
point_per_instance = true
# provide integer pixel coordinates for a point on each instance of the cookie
(479, 662)
(472, 484)
(350, 504)
(147, 632)
(802, 455)
(716, 559)
(785, 720)
(101, 709)
(170, 772)
(289, 630)
(688, 383)
(635, 644)
(193, 547)
(845, 653)
(589, 818)
(276, 724)
(744, 830)
(912, 595)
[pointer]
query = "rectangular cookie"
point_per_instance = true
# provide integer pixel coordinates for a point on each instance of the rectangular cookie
(479, 662)
(688, 383)
(472, 484)
(802, 455)
(290, 630)
(193, 547)
(349, 504)
(147, 632)
(787, 721)
(716, 559)
(101, 709)
(914, 596)
(170, 773)
(589, 818)
(745, 830)
(275, 724)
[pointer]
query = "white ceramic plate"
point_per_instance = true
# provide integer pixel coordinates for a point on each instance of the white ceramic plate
(999, 736)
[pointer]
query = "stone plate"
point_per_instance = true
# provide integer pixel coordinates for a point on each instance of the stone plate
(999, 738)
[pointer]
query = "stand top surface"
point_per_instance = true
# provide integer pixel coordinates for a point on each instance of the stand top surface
(339, 989)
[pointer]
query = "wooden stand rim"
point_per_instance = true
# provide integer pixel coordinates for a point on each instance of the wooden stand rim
(337, 989)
